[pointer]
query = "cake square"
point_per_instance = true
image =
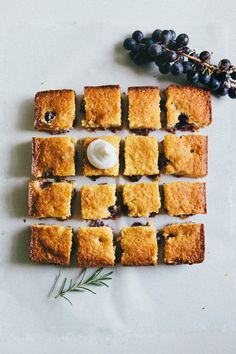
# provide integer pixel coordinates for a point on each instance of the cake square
(95, 247)
(185, 198)
(139, 246)
(98, 201)
(53, 157)
(187, 108)
(186, 155)
(144, 107)
(50, 199)
(142, 199)
(89, 170)
(184, 243)
(55, 110)
(102, 106)
(141, 156)
(51, 244)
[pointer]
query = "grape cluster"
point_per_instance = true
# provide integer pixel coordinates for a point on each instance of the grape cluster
(172, 54)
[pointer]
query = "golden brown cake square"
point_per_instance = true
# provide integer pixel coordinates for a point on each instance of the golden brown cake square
(89, 170)
(53, 157)
(185, 198)
(98, 201)
(51, 244)
(95, 247)
(184, 243)
(139, 246)
(186, 155)
(144, 107)
(187, 108)
(102, 106)
(141, 156)
(55, 110)
(50, 199)
(142, 199)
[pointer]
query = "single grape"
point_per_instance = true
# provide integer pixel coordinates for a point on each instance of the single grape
(222, 75)
(156, 35)
(200, 67)
(165, 36)
(140, 58)
(224, 64)
(147, 41)
(214, 84)
(172, 44)
(186, 50)
(160, 60)
(204, 78)
(164, 68)
(223, 89)
(182, 40)
(142, 47)
(154, 50)
(173, 34)
(187, 66)
(132, 53)
(129, 43)
(205, 55)
(192, 76)
(232, 92)
(137, 36)
(170, 55)
(233, 75)
(177, 69)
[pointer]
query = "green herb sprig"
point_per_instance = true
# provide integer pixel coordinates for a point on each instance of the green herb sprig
(81, 284)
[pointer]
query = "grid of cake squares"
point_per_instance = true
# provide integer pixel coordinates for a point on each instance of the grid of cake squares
(184, 156)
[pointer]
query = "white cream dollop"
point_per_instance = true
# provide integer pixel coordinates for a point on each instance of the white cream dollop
(101, 154)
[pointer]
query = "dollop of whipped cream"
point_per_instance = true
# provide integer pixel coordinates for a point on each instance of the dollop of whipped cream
(101, 154)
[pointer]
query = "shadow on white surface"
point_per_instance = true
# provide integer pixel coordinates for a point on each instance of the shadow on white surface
(20, 160)
(25, 120)
(17, 201)
(20, 247)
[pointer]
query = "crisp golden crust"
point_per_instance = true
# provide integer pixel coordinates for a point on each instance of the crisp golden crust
(141, 155)
(96, 201)
(61, 103)
(142, 199)
(102, 106)
(186, 155)
(95, 247)
(90, 170)
(185, 198)
(51, 244)
(144, 109)
(184, 243)
(139, 246)
(53, 157)
(50, 199)
(193, 102)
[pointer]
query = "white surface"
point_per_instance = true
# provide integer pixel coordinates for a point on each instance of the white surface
(69, 44)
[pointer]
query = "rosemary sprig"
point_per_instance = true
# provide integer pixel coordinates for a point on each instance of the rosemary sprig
(81, 284)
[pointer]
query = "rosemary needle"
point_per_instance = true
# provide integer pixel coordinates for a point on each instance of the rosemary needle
(81, 284)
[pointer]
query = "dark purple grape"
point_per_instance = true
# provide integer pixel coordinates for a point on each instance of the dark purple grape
(137, 36)
(181, 59)
(140, 58)
(182, 40)
(132, 53)
(160, 59)
(224, 64)
(173, 34)
(205, 55)
(214, 84)
(172, 44)
(192, 76)
(156, 35)
(165, 36)
(187, 66)
(186, 50)
(233, 75)
(223, 90)
(170, 55)
(164, 68)
(147, 41)
(129, 43)
(222, 75)
(154, 50)
(204, 78)
(232, 92)
(200, 67)
(177, 69)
